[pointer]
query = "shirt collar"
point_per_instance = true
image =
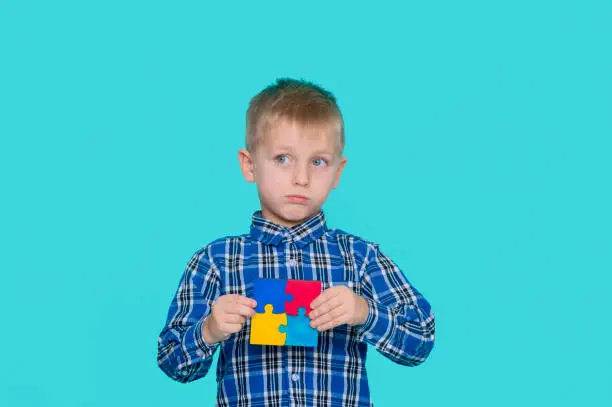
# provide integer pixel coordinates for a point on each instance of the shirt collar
(302, 234)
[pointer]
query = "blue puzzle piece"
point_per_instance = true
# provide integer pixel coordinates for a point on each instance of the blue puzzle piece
(298, 330)
(271, 291)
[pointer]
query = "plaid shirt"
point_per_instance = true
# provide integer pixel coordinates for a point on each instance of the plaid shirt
(400, 324)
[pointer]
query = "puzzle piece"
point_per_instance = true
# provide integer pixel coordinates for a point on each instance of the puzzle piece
(271, 291)
(281, 314)
(265, 328)
(303, 292)
(298, 330)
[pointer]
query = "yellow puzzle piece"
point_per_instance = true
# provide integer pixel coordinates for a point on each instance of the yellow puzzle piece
(264, 328)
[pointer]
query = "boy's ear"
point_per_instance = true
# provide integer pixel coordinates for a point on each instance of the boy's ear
(246, 165)
(339, 172)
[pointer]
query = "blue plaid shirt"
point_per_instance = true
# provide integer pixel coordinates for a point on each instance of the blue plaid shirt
(400, 324)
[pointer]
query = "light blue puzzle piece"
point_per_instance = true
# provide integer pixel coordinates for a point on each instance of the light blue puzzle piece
(298, 330)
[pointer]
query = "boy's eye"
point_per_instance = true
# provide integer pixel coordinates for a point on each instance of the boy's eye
(282, 159)
(318, 162)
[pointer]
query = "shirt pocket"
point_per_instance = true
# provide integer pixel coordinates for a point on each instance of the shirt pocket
(237, 277)
(341, 272)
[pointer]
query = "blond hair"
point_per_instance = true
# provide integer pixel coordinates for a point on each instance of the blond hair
(298, 101)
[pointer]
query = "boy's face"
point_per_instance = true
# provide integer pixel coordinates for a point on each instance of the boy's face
(294, 169)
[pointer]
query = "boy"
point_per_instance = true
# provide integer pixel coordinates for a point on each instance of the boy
(294, 145)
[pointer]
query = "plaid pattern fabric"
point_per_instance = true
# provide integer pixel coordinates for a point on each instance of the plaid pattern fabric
(400, 324)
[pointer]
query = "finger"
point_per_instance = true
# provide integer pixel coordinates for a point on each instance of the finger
(240, 299)
(241, 310)
(235, 319)
(329, 316)
(329, 325)
(337, 314)
(324, 297)
(323, 319)
(325, 307)
(249, 302)
(321, 298)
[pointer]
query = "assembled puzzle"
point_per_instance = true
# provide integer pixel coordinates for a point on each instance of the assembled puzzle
(281, 314)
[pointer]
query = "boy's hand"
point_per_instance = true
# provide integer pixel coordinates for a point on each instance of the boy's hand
(228, 315)
(336, 306)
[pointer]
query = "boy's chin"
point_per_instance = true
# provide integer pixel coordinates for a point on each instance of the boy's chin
(298, 212)
(295, 215)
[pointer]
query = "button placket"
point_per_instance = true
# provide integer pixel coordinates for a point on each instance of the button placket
(292, 259)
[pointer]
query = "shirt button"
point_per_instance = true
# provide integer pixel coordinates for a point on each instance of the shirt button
(295, 377)
(369, 336)
(292, 263)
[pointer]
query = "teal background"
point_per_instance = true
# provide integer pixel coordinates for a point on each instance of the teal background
(478, 146)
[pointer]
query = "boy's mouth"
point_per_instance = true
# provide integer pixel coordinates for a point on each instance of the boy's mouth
(297, 198)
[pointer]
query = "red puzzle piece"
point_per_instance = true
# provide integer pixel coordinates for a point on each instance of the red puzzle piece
(304, 292)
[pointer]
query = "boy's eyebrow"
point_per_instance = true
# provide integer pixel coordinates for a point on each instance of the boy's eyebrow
(283, 148)
(323, 152)
(318, 152)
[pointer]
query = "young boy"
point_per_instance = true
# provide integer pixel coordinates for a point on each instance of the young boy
(294, 145)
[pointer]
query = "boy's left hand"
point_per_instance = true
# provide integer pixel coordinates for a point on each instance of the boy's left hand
(336, 306)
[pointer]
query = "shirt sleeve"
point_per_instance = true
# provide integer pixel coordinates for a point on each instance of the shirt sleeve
(182, 352)
(400, 322)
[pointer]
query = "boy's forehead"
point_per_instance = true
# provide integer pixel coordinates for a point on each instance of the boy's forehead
(295, 135)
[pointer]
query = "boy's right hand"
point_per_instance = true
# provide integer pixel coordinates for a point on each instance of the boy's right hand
(228, 315)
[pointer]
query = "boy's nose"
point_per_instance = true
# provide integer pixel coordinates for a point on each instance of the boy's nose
(300, 175)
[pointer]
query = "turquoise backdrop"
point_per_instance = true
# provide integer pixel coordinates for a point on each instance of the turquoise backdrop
(485, 128)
